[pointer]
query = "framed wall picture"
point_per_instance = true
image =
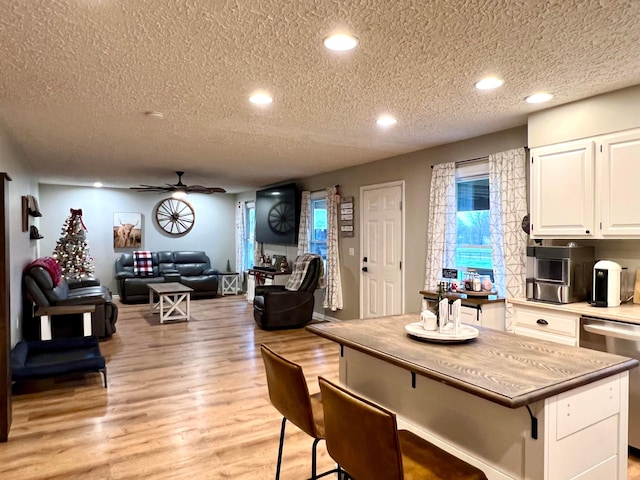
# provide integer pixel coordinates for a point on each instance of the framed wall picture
(127, 230)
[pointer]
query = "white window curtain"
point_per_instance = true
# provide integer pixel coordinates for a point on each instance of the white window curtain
(240, 238)
(304, 232)
(441, 230)
(507, 207)
(333, 288)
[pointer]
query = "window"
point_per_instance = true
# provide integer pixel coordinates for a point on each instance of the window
(473, 244)
(318, 237)
(249, 231)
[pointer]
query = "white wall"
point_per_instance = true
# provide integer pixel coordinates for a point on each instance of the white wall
(22, 250)
(213, 231)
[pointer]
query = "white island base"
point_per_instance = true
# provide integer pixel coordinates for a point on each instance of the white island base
(582, 433)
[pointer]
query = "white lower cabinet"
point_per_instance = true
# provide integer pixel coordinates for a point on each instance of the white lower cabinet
(546, 324)
(581, 433)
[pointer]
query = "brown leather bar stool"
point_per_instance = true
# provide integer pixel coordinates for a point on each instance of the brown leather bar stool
(365, 441)
(289, 394)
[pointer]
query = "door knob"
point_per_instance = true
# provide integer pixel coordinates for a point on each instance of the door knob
(365, 269)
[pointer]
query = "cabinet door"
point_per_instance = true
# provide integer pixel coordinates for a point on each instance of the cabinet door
(619, 181)
(562, 190)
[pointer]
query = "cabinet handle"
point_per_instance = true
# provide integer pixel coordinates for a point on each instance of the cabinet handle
(542, 321)
(365, 269)
(587, 231)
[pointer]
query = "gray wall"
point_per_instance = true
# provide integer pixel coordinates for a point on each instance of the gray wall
(414, 169)
(22, 250)
(607, 113)
(213, 231)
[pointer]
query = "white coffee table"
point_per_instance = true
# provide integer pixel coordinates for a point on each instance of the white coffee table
(172, 297)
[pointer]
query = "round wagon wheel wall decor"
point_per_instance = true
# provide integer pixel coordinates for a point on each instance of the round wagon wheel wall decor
(282, 218)
(175, 216)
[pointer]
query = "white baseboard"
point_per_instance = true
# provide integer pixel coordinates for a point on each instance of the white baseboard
(320, 316)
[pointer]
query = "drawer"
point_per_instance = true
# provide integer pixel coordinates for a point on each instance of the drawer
(547, 321)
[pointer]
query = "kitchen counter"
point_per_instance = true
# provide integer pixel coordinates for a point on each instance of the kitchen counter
(628, 312)
(529, 369)
(466, 299)
(515, 407)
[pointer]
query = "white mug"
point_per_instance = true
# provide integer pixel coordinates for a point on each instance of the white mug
(428, 320)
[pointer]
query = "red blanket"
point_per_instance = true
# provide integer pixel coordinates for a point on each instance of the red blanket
(51, 265)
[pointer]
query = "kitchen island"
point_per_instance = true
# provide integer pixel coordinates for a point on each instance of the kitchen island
(515, 407)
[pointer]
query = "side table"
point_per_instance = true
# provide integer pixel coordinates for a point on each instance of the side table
(229, 283)
(171, 297)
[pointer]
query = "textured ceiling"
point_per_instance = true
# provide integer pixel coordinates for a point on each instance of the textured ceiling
(77, 75)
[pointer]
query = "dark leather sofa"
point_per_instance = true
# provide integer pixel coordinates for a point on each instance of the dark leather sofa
(190, 268)
(40, 291)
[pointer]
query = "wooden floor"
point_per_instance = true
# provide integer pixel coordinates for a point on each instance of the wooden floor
(185, 401)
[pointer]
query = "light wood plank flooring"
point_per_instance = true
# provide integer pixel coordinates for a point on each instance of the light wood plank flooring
(185, 401)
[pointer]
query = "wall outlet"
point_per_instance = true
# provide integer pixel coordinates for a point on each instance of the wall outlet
(352, 251)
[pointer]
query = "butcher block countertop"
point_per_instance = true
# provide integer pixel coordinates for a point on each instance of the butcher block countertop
(505, 368)
(628, 312)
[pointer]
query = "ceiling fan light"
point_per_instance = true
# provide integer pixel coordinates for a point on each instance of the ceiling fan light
(179, 194)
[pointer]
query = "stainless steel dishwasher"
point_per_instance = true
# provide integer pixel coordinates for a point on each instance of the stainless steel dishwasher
(623, 339)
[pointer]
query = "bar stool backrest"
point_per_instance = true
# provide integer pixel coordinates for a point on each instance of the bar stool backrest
(288, 390)
(361, 437)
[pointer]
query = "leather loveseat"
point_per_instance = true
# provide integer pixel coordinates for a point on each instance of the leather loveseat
(41, 290)
(190, 268)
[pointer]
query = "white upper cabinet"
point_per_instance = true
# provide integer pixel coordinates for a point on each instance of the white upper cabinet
(562, 190)
(620, 174)
(587, 189)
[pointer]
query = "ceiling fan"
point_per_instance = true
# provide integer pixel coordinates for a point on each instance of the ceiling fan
(178, 187)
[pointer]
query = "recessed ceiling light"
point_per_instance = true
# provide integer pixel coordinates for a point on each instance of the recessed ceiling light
(340, 42)
(97, 184)
(539, 97)
(489, 83)
(386, 121)
(153, 113)
(261, 98)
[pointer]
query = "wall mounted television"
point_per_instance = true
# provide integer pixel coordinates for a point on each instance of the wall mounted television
(278, 215)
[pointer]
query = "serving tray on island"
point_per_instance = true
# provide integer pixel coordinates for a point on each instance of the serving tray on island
(466, 333)
(473, 293)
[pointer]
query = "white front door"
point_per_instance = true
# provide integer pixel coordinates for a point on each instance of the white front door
(381, 279)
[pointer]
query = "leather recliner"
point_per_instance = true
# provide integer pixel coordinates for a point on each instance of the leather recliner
(40, 291)
(275, 307)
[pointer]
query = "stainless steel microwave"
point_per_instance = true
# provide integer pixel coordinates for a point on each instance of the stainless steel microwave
(559, 274)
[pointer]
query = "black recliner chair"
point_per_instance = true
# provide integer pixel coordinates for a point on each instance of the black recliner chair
(276, 307)
(40, 291)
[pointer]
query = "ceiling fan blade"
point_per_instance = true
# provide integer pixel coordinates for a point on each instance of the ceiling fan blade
(172, 187)
(202, 189)
(149, 189)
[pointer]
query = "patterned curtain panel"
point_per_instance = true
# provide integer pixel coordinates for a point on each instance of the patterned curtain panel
(441, 233)
(333, 290)
(508, 205)
(240, 238)
(304, 233)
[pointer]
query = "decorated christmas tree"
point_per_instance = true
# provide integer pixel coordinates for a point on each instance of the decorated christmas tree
(72, 251)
